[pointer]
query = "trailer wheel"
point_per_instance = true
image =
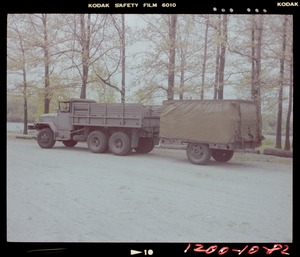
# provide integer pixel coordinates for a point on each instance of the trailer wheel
(69, 143)
(45, 138)
(145, 145)
(222, 155)
(97, 141)
(119, 143)
(198, 153)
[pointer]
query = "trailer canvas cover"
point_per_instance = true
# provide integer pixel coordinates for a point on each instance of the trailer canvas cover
(209, 121)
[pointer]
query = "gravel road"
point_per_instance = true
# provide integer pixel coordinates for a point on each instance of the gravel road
(72, 195)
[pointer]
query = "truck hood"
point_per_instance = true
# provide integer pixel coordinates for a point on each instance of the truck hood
(47, 117)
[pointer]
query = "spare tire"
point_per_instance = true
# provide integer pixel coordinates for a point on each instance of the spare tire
(145, 145)
(221, 155)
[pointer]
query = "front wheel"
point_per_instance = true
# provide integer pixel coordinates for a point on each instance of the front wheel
(222, 155)
(45, 138)
(198, 153)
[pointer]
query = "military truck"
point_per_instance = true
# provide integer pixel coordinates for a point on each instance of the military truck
(118, 128)
(208, 128)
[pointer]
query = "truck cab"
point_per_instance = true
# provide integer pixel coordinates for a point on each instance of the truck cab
(58, 126)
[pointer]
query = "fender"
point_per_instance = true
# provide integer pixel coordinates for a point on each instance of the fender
(41, 125)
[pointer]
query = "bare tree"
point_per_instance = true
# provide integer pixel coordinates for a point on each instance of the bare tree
(39, 24)
(220, 56)
(123, 57)
(85, 36)
(157, 70)
(287, 145)
(223, 46)
(91, 47)
(17, 58)
(45, 47)
(281, 84)
(121, 32)
(204, 57)
(187, 48)
(102, 50)
(172, 53)
(257, 30)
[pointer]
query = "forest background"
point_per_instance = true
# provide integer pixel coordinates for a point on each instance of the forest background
(150, 58)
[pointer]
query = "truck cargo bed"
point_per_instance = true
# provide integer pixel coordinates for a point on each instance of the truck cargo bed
(115, 115)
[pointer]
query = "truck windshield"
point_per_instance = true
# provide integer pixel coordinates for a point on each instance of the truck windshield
(64, 106)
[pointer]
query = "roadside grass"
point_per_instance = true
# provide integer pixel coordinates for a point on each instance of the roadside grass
(252, 157)
(13, 135)
(268, 142)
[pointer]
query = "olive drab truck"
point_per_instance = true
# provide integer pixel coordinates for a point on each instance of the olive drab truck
(115, 127)
(208, 128)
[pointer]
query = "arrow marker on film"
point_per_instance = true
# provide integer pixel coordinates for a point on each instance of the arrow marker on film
(132, 252)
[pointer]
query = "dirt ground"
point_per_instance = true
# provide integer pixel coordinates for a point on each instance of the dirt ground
(73, 195)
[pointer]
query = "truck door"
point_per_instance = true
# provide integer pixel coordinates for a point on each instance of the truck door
(64, 117)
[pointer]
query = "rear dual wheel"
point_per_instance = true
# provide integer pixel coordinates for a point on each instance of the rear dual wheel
(97, 141)
(119, 143)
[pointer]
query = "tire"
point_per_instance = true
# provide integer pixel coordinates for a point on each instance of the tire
(45, 138)
(198, 154)
(145, 145)
(97, 142)
(222, 155)
(69, 143)
(119, 143)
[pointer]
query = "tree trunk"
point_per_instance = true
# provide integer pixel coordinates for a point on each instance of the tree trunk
(281, 83)
(24, 74)
(25, 116)
(287, 145)
(222, 57)
(47, 94)
(277, 152)
(182, 69)
(204, 59)
(171, 70)
(253, 75)
(257, 45)
(123, 59)
(85, 55)
(216, 85)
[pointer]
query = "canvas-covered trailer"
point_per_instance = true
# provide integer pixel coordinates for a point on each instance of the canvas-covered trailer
(211, 127)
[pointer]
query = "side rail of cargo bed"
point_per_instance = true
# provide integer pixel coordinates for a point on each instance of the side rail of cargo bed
(110, 115)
